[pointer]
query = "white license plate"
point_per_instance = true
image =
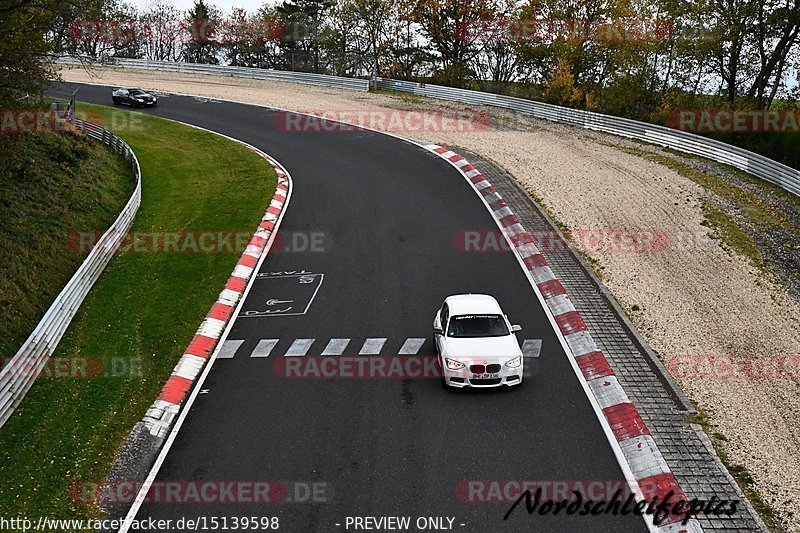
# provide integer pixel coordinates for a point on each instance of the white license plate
(485, 376)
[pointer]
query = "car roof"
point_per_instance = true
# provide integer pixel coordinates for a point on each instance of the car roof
(467, 304)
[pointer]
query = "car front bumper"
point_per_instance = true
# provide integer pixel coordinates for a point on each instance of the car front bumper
(464, 377)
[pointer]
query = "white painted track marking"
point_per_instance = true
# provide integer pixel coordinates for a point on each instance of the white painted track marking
(411, 346)
(264, 347)
(372, 346)
(228, 349)
(336, 347)
(299, 347)
(531, 347)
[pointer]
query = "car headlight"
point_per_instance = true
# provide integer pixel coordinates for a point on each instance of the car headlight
(514, 363)
(453, 365)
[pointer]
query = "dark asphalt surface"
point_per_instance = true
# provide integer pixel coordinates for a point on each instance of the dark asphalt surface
(387, 212)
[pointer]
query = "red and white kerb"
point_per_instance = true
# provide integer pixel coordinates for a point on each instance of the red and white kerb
(162, 413)
(648, 466)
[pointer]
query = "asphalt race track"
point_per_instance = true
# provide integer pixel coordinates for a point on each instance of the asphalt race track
(386, 213)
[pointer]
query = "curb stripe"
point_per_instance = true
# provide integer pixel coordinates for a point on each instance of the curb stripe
(593, 365)
(625, 421)
(175, 389)
(201, 346)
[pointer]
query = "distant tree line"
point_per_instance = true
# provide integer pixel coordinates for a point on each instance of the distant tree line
(641, 59)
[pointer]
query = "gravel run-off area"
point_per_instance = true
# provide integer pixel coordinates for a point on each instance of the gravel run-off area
(699, 305)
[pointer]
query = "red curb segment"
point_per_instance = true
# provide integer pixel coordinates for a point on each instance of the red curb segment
(551, 288)
(220, 311)
(594, 365)
(535, 261)
(258, 242)
(236, 284)
(625, 421)
(201, 346)
(248, 261)
(570, 322)
(659, 486)
(510, 220)
(175, 389)
(499, 204)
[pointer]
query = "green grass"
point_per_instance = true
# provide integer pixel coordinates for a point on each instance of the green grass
(733, 238)
(754, 210)
(142, 312)
(740, 474)
(50, 186)
(406, 97)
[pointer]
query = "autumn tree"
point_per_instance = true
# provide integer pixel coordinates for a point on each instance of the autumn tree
(302, 20)
(202, 25)
(453, 29)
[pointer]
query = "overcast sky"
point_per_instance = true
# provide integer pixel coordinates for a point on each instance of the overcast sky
(224, 5)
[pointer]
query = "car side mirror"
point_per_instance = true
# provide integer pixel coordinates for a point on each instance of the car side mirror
(515, 328)
(437, 331)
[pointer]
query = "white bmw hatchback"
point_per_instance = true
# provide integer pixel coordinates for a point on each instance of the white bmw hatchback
(476, 344)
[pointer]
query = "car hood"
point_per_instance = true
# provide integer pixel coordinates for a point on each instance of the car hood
(486, 347)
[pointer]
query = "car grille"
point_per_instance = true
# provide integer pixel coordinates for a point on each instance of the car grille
(483, 369)
(492, 381)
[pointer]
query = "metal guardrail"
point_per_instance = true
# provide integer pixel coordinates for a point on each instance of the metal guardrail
(750, 162)
(322, 80)
(17, 376)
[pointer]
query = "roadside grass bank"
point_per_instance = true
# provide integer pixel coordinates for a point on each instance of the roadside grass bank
(51, 184)
(139, 317)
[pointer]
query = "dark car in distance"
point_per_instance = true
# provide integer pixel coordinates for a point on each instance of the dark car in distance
(133, 97)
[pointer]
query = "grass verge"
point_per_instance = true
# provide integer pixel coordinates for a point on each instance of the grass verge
(50, 186)
(762, 216)
(139, 317)
(740, 474)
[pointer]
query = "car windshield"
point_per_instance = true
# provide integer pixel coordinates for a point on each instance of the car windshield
(477, 326)
(137, 92)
